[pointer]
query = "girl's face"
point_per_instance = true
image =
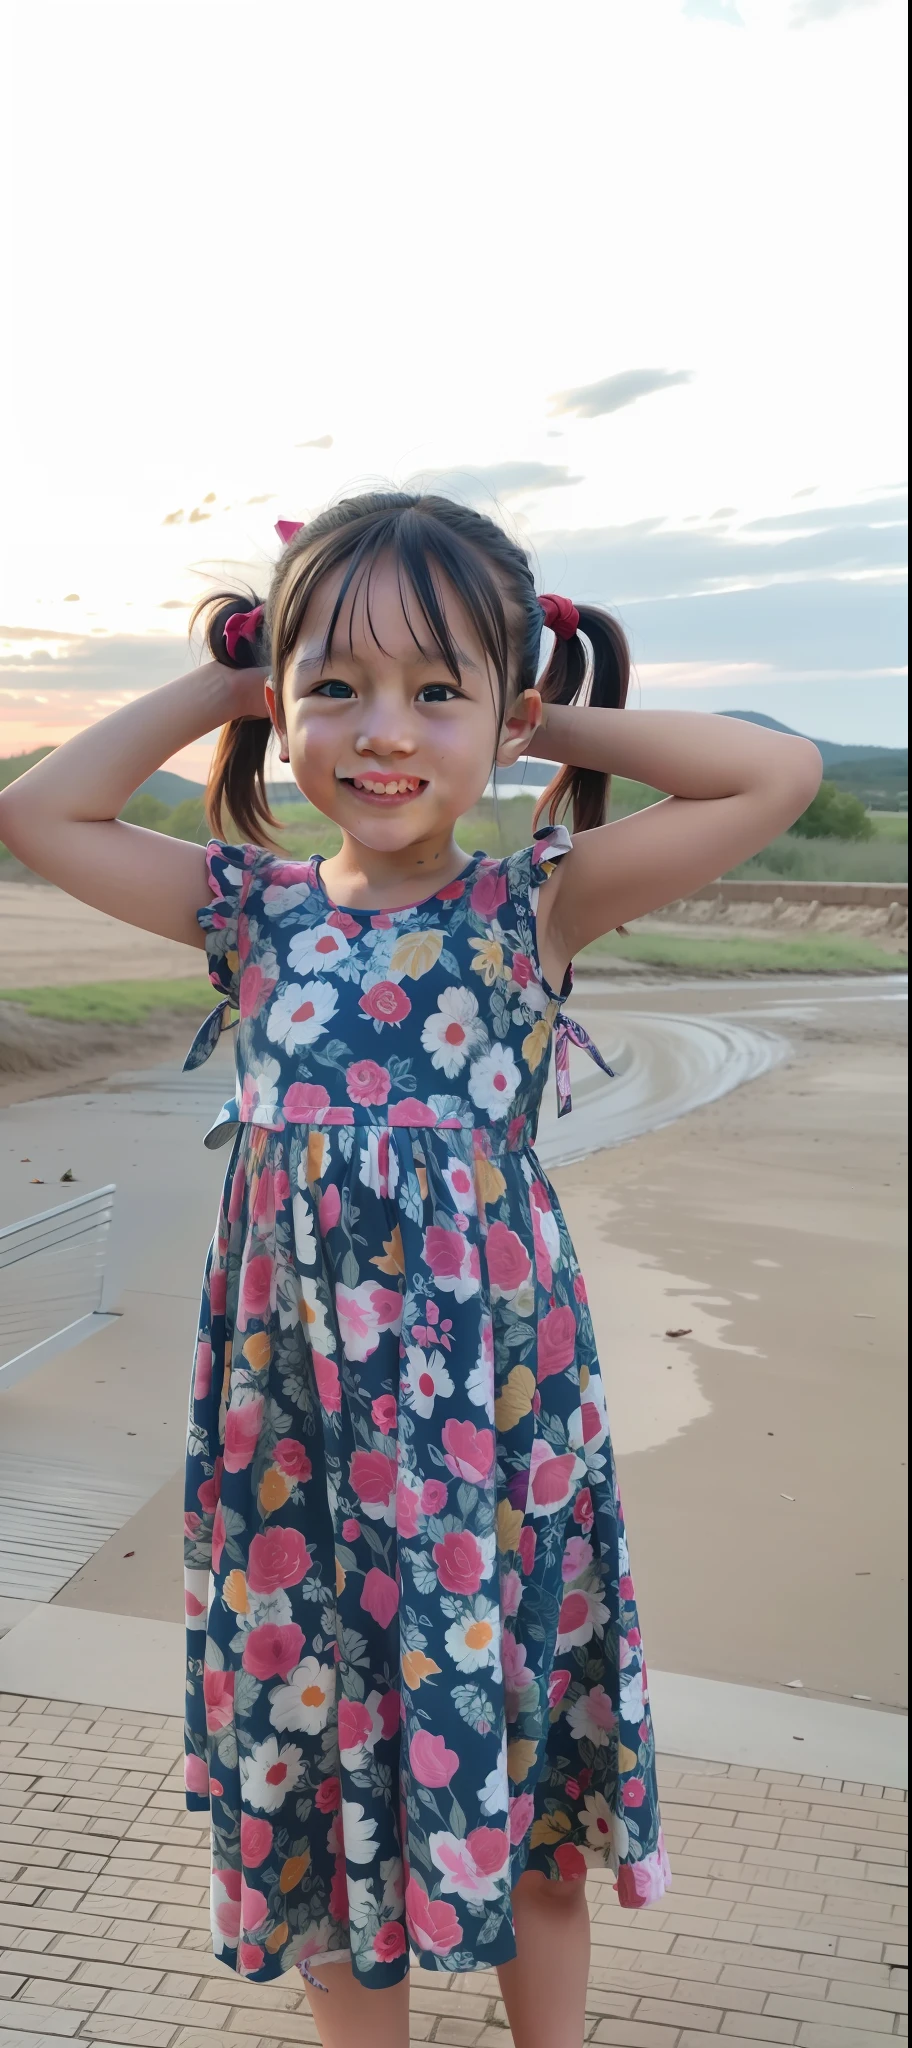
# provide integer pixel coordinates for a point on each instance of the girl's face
(380, 737)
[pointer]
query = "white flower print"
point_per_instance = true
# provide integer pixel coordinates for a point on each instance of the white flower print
(369, 1172)
(279, 898)
(358, 1833)
(299, 1013)
(493, 1081)
(460, 1182)
(318, 950)
(462, 1876)
(597, 1819)
(426, 1377)
(452, 1031)
(633, 1701)
(359, 1310)
(305, 1241)
(592, 1718)
(305, 1703)
(494, 1796)
(269, 1773)
(582, 1616)
(260, 1093)
(311, 1312)
(473, 1641)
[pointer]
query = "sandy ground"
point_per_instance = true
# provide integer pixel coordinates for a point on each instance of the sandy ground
(761, 1454)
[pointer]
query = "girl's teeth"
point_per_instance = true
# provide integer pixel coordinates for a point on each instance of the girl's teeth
(400, 788)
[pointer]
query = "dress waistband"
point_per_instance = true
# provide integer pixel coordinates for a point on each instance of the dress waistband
(316, 1109)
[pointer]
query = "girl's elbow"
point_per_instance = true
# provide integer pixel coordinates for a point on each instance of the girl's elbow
(808, 770)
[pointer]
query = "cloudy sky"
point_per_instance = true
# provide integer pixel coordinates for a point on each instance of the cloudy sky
(630, 276)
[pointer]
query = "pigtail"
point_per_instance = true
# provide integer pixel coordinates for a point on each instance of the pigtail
(603, 682)
(236, 799)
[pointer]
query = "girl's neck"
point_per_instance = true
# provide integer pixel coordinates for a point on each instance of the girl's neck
(362, 877)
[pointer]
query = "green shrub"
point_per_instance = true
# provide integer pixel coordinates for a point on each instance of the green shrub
(834, 814)
(148, 811)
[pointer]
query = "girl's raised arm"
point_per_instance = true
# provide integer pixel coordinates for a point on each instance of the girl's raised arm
(731, 788)
(61, 817)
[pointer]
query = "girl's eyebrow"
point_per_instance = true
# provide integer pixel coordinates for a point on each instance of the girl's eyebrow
(311, 664)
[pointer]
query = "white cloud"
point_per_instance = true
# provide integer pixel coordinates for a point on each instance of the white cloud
(612, 394)
(715, 10)
(806, 11)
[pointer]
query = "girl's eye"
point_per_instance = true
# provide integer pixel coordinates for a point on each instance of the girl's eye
(334, 688)
(437, 693)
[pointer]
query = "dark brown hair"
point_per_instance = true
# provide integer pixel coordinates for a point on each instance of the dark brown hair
(427, 537)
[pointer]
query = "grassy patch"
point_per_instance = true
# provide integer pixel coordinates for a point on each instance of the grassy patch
(729, 954)
(114, 1002)
(891, 825)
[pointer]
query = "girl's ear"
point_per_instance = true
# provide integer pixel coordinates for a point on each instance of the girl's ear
(520, 725)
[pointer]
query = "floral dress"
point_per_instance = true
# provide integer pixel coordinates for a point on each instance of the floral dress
(414, 1664)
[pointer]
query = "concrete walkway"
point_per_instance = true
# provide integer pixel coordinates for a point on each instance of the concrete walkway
(785, 1924)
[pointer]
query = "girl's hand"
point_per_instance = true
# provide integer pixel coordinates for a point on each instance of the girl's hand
(62, 818)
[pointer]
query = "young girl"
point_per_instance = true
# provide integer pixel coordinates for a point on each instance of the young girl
(416, 1692)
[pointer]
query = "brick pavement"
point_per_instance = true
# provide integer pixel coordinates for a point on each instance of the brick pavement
(785, 1924)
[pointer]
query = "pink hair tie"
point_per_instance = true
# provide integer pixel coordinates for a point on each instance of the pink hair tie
(242, 626)
(287, 528)
(562, 616)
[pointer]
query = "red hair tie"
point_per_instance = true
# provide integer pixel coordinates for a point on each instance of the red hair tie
(287, 528)
(242, 626)
(562, 616)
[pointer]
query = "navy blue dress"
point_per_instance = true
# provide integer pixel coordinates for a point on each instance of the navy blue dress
(414, 1662)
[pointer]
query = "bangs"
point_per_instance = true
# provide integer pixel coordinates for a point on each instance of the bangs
(423, 551)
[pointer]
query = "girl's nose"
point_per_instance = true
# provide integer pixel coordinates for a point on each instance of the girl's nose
(384, 744)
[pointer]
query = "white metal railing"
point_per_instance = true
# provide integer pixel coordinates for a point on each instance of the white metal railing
(51, 1282)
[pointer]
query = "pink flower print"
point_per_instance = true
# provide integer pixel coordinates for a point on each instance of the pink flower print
(625, 1587)
(202, 1375)
(551, 1477)
(305, 1103)
(256, 1288)
(250, 1957)
(330, 1209)
(432, 1763)
(381, 921)
(256, 1841)
(292, 1459)
(349, 926)
(579, 1289)
(432, 1924)
(226, 1903)
(515, 1129)
(646, 1882)
(434, 1496)
(242, 1433)
(410, 1112)
(556, 1342)
(407, 1506)
(367, 1083)
(576, 1558)
(256, 988)
(389, 1942)
(236, 1198)
(218, 1694)
(386, 1002)
(329, 1796)
(351, 1530)
(509, 1264)
(557, 1686)
(468, 1452)
(218, 1290)
(326, 1374)
(196, 1776)
(273, 1650)
(460, 1562)
(510, 1593)
(278, 1559)
(516, 1670)
(522, 970)
(451, 891)
(386, 1303)
(192, 1525)
(489, 893)
(583, 1511)
(488, 1848)
(525, 1548)
(570, 1862)
(373, 1477)
(254, 1909)
(219, 1538)
(209, 1493)
(355, 1728)
(338, 1894)
(389, 1713)
(522, 1810)
(380, 1596)
(385, 1413)
(634, 1792)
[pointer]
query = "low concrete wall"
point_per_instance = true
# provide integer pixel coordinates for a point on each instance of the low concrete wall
(850, 895)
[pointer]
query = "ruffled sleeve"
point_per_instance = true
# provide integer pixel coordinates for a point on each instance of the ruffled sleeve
(548, 848)
(229, 871)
